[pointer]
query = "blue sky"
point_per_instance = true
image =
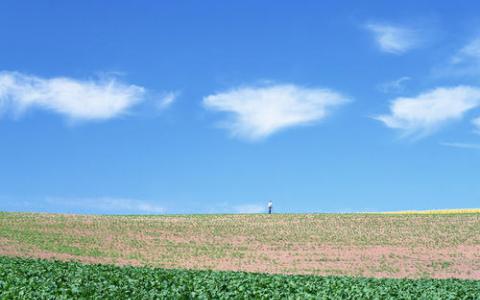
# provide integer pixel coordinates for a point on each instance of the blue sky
(220, 106)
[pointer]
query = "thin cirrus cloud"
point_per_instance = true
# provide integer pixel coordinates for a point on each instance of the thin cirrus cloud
(476, 123)
(249, 208)
(101, 205)
(258, 112)
(394, 86)
(394, 39)
(462, 145)
(465, 62)
(72, 98)
(469, 52)
(167, 99)
(427, 112)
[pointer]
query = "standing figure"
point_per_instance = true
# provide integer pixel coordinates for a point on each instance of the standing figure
(270, 207)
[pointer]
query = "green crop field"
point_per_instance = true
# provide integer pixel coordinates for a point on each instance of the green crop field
(40, 279)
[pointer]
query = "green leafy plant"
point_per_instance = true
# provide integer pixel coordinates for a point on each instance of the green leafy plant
(22, 278)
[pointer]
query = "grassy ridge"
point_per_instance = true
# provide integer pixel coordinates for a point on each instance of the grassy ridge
(42, 279)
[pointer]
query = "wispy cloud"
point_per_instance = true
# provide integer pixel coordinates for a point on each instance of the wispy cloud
(249, 208)
(104, 205)
(76, 99)
(394, 86)
(394, 39)
(469, 52)
(167, 99)
(462, 145)
(465, 62)
(257, 112)
(476, 123)
(425, 113)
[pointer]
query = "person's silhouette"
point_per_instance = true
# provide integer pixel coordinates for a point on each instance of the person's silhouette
(270, 205)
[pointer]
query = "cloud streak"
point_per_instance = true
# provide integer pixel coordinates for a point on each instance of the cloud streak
(464, 63)
(72, 98)
(167, 99)
(468, 53)
(394, 39)
(258, 112)
(394, 86)
(249, 209)
(427, 112)
(105, 205)
(462, 145)
(476, 123)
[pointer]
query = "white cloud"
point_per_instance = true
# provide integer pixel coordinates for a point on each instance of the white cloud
(394, 86)
(75, 99)
(107, 205)
(462, 145)
(426, 112)
(394, 39)
(469, 52)
(464, 63)
(257, 112)
(249, 209)
(167, 99)
(476, 123)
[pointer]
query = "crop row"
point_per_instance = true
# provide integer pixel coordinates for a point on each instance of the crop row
(22, 278)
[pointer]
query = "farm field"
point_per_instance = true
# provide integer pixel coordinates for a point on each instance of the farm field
(42, 279)
(411, 245)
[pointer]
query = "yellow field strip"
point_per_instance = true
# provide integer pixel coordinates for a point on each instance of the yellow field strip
(436, 211)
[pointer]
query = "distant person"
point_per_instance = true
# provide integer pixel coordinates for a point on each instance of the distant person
(270, 205)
